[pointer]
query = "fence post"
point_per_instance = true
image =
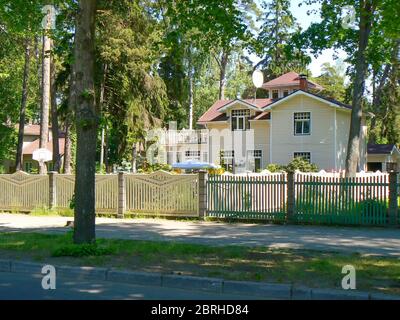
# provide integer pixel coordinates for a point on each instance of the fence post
(52, 189)
(290, 196)
(121, 195)
(202, 194)
(393, 206)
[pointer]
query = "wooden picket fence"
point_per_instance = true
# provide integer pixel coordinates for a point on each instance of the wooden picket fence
(334, 200)
(250, 197)
(317, 199)
(160, 193)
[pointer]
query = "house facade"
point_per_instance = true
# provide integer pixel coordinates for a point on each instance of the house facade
(294, 121)
(30, 144)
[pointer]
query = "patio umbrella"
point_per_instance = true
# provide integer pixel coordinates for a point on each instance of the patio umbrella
(193, 164)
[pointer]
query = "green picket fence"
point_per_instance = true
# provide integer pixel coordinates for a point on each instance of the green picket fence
(349, 201)
(247, 197)
(317, 199)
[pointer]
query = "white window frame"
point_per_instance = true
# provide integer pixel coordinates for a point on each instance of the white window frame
(243, 114)
(273, 91)
(302, 152)
(302, 120)
(192, 155)
(251, 154)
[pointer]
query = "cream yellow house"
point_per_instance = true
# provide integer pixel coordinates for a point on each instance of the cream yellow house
(292, 122)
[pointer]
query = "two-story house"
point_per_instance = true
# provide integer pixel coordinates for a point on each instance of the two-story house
(293, 122)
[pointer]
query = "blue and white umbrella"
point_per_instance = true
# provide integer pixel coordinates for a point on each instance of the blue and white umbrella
(193, 164)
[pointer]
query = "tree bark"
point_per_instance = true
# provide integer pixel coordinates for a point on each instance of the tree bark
(68, 123)
(353, 148)
(45, 102)
(101, 101)
(54, 119)
(18, 158)
(86, 121)
(222, 63)
(190, 74)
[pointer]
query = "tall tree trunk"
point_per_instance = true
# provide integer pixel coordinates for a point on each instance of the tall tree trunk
(86, 120)
(190, 74)
(68, 123)
(67, 146)
(222, 63)
(18, 158)
(134, 157)
(54, 119)
(45, 105)
(102, 92)
(353, 148)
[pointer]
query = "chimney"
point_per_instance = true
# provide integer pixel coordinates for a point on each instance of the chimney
(303, 82)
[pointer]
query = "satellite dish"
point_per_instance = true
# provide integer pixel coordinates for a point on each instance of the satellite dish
(258, 78)
(42, 155)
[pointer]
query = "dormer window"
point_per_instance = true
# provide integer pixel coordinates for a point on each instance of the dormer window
(240, 119)
(275, 94)
(285, 93)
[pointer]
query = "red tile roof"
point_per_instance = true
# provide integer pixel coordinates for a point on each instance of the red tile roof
(30, 148)
(213, 114)
(34, 130)
(289, 79)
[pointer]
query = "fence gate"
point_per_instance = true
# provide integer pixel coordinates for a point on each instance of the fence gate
(22, 191)
(162, 193)
(247, 197)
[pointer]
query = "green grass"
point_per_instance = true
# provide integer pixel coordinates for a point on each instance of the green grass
(301, 267)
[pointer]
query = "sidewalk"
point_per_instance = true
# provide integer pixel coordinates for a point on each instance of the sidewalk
(376, 241)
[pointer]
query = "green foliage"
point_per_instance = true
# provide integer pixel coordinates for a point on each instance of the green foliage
(274, 43)
(301, 164)
(82, 250)
(297, 163)
(273, 167)
(332, 79)
(72, 202)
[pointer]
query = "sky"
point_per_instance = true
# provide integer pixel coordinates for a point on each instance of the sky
(300, 13)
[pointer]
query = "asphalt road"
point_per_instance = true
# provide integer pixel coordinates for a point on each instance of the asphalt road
(375, 241)
(17, 286)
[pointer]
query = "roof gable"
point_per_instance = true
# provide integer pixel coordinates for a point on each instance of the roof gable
(330, 102)
(217, 110)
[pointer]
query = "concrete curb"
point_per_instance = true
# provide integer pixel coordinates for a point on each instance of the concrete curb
(192, 283)
(259, 289)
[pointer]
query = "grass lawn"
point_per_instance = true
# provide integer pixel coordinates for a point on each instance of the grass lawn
(301, 267)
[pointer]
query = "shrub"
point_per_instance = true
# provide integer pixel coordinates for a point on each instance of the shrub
(217, 171)
(274, 167)
(82, 250)
(301, 164)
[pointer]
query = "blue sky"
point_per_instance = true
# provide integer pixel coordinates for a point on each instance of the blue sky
(305, 20)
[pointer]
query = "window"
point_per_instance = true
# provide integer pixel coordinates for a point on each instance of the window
(192, 155)
(285, 93)
(302, 123)
(227, 160)
(304, 155)
(254, 158)
(240, 119)
(275, 94)
(28, 166)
